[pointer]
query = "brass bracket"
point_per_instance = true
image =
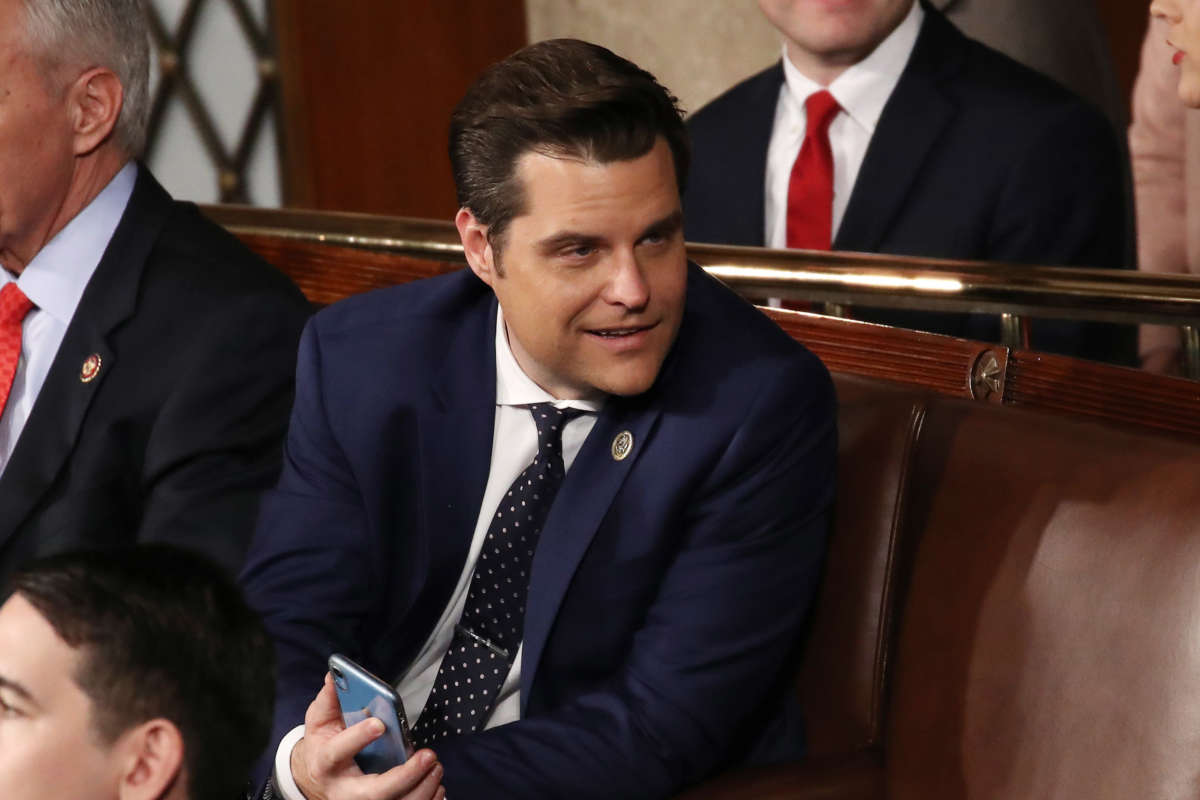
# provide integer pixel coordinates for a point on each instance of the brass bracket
(987, 375)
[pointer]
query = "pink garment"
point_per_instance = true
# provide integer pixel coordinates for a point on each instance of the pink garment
(1164, 143)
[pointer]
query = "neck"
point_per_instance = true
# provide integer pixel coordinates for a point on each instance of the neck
(824, 68)
(821, 70)
(90, 174)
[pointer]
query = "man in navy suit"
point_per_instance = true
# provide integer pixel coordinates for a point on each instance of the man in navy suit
(941, 147)
(633, 636)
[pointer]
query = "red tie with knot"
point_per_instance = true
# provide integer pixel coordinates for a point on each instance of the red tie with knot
(810, 188)
(14, 305)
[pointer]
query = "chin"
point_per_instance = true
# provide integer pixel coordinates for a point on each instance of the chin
(1189, 89)
(629, 382)
(628, 389)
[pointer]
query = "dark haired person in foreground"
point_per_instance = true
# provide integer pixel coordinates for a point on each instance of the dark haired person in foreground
(571, 501)
(131, 674)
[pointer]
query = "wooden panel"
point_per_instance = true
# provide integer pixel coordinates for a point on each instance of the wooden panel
(925, 360)
(1126, 21)
(368, 87)
(1116, 394)
(326, 273)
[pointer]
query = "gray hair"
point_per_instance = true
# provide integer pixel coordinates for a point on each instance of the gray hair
(99, 33)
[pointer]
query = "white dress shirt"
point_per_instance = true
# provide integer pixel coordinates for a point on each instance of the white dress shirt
(514, 444)
(54, 281)
(862, 91)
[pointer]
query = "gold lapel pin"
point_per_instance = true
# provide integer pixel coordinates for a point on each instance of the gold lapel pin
(622, 445)
(90, 368)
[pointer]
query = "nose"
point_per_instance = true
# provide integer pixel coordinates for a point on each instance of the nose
(1168, 10)
(627, 284)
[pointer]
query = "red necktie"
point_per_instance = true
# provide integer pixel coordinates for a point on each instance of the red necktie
(810, 188)
(14, 305)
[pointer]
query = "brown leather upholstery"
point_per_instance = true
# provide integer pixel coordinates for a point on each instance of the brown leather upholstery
(859, 777)
(1010, 609)
(842, 678)
(1050, 644)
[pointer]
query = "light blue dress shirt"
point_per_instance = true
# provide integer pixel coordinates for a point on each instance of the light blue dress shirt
(54, 280)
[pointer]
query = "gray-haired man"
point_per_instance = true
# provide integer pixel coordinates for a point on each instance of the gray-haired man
(145, 356)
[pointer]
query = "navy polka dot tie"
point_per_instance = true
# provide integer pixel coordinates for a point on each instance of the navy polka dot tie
(488, 634)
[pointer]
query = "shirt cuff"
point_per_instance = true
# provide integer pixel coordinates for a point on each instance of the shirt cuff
(285, 784)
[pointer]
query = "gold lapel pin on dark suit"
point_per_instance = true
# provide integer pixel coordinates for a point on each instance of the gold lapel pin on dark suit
(622, 445)
(90, 368)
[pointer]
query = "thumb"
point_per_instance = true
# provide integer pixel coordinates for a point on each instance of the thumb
(324, 711)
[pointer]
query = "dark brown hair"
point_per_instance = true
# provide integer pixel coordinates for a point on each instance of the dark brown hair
(163, 633)
(561, 97)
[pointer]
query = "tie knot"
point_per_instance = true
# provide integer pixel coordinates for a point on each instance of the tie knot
(550, 422)
(14, 305)
(821, 108)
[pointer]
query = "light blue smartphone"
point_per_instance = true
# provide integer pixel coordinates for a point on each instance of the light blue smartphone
(362, 695)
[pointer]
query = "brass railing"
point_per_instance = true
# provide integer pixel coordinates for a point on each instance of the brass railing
(837, 279)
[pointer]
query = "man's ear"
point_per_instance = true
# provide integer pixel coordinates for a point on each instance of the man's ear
(480, 255)
(150, 760)
(96, 98)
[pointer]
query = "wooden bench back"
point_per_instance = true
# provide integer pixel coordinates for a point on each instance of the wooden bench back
(953, 367)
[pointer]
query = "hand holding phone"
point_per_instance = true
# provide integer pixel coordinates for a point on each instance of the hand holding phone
(360, 695)
(323, 763)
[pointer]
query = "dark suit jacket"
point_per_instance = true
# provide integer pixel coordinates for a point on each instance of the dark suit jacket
(667, 589)
(182, 428)
(974, 157)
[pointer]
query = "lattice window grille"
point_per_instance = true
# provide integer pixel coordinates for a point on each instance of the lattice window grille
(177, 81)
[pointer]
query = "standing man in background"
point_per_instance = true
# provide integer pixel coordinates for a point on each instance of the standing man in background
(883, 129)
(145, 355)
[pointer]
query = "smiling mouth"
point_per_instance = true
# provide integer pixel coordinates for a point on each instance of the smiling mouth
(620, 333)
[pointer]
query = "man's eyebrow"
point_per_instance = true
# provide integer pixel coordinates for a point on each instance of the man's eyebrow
(568, 239)
(667, 225)
(12, 685)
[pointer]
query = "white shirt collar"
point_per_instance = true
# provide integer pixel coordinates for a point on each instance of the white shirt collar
(863, 89)
(515, 388)
(56, 277)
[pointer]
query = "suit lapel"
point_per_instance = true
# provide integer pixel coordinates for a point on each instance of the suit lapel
(582, 502)
(110, 298)
(455, 455)
(912, 121)
(748, 183)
